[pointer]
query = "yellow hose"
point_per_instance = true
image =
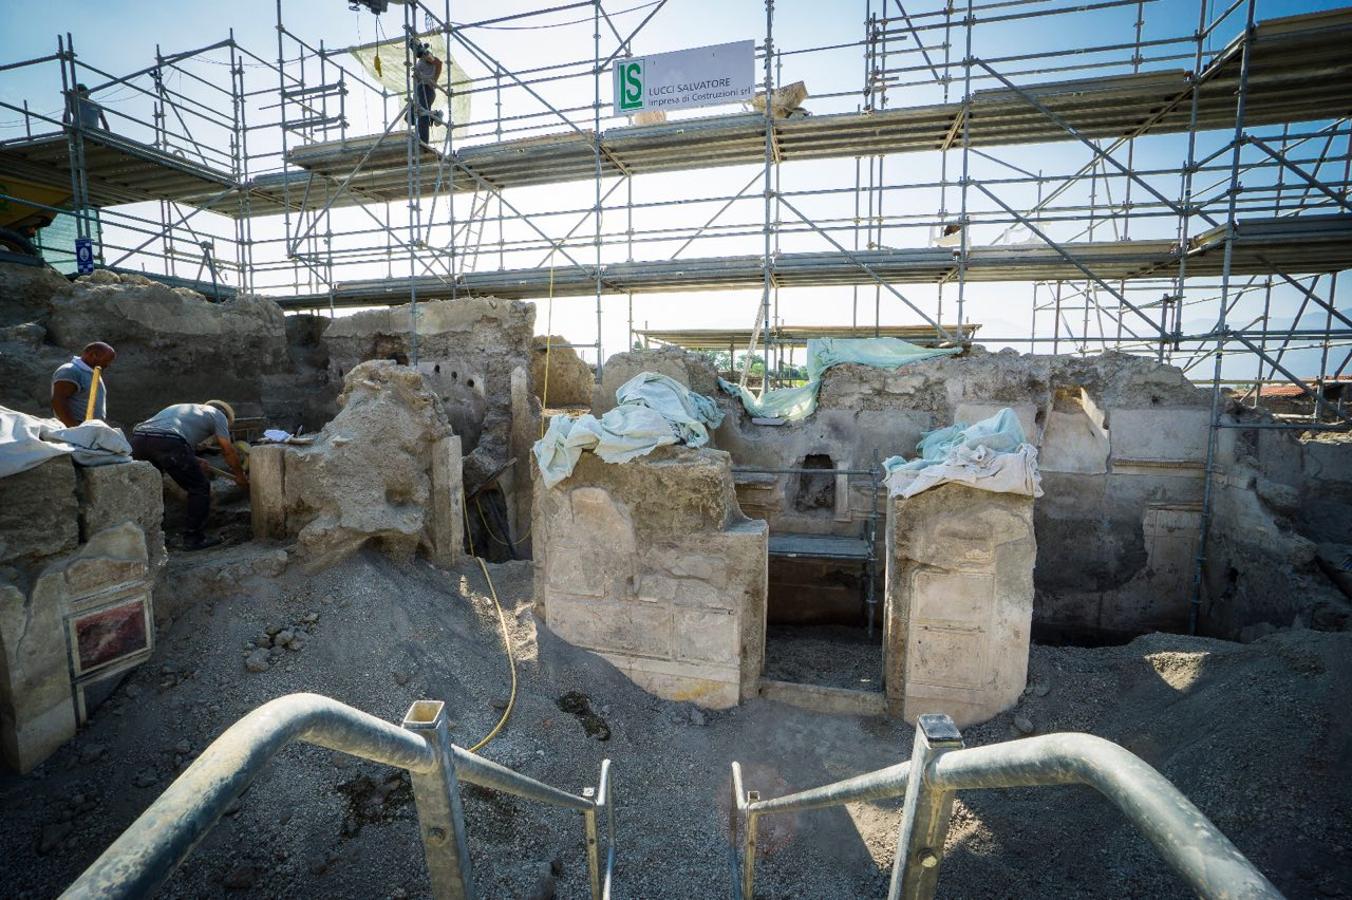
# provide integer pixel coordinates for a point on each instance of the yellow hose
(502, 623)
(549, 340)
(94, 384)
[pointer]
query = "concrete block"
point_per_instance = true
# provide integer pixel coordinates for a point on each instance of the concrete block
(39, 512)
(650, 563)
(36, 712)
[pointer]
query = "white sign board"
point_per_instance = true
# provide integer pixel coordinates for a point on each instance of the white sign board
(703, 76)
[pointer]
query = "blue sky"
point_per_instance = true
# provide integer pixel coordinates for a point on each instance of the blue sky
(121, 37)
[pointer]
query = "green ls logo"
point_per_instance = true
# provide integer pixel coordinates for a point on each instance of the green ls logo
(629, 76)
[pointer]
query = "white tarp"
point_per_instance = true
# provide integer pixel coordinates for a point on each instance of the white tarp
(385, 63)
(990, 455)
(653, 411)
(27, 441)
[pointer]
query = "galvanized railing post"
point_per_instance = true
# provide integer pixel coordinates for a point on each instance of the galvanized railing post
(441, 815)
(593, 851)
(924, 818)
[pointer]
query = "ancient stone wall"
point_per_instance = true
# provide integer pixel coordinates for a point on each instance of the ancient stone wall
(959, 603)
(384, 471)
(467, 352)
(690, 369)
(651, 564)
(174, 346)
(570, 380)
(79, 551)
(1122, 443)
(1277, 497)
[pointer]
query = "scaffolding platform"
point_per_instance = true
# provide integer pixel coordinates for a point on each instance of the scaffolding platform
(120, 170)
(798, 335)
(1305, 245)
(1300, 69)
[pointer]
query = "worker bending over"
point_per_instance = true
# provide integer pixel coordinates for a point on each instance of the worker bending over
(73, 381)
(168, 440)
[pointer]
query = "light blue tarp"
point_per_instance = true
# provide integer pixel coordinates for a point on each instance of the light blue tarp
(798, 403)
(653, 411)
(993, 455)
(1001, 433)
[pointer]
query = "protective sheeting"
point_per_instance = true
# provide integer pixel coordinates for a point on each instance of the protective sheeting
(384, 62)
(27, 441)
(991, 455)
(794, 404)
(653, 411)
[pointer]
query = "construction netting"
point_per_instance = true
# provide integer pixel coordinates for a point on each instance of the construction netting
(385, 63)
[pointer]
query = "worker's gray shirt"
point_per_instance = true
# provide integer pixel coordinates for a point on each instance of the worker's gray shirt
(82, 376)
(425, 72)
(194, 422)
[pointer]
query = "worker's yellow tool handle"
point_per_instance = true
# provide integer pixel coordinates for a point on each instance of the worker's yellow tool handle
(93, 392)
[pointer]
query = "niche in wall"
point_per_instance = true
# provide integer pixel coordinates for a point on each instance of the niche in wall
(813, 492)
(1076, 438)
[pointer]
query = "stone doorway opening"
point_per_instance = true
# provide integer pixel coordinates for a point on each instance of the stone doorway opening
(817, 625)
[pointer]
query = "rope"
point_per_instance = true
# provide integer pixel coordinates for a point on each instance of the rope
(502, 623)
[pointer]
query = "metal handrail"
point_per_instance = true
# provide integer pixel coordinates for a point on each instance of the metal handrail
(149, 851)
(1197, 850)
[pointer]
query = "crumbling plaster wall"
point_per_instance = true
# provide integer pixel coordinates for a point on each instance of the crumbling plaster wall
(651, 564)
(174, 346)
(468, 350)
(570, 380)
(1278, 495)
(1123, 446)
(386, 470)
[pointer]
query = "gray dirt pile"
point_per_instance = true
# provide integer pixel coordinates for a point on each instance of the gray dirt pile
(1254, 734)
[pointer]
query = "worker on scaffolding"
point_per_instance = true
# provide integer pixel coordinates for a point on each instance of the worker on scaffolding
(83, 112)
(74, 383)
(426, 72)
(168, 440)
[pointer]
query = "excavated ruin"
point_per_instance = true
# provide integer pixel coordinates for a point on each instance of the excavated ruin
(673, 616)
(385, 470)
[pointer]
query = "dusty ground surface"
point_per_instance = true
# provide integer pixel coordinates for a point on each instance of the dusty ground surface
(829, 655)
(1255, 734)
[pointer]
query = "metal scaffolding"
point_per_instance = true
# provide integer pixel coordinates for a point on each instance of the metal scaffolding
(1177, 186)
